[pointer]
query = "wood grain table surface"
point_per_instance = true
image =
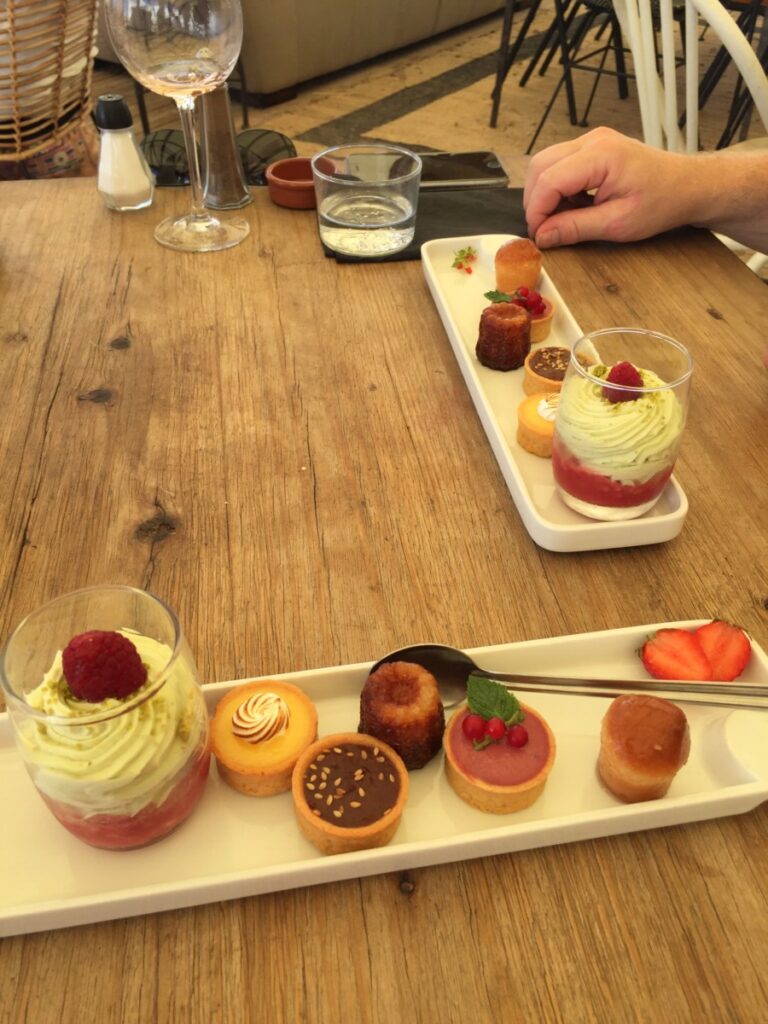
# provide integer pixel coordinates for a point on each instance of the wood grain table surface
(283, 448)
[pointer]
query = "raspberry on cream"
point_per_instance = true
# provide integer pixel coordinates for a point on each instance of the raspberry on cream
(113, 756)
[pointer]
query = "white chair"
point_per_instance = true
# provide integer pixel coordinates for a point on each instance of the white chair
(658, 91)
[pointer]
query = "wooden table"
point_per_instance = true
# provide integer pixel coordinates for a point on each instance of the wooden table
(284, 449)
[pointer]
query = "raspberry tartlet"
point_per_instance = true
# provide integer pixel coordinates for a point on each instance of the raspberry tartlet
(349, 791)
(498, 752)
(258, 732)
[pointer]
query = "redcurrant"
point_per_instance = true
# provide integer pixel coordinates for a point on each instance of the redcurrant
(517, 736)
(495, 729)
(473, 727)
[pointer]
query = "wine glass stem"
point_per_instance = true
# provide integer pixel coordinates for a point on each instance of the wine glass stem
(186, 105)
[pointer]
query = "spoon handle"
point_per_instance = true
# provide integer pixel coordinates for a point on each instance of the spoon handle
(729, 695)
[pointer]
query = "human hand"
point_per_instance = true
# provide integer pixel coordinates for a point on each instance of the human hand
(638, 191)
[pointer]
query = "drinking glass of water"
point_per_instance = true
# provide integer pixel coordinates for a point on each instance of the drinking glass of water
(366, 198)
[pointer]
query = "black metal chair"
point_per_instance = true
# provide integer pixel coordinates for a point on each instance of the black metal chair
(565, 34)
(571, 26)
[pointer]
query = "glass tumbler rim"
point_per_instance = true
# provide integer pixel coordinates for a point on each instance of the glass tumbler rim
(372, 147)
(141, 697)
(646, 332)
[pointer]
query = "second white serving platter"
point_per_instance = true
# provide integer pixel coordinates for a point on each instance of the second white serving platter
(460, 299)
(234, 846)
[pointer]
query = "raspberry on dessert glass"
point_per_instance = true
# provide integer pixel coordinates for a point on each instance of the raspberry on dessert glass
(108, 714)
(619, 422)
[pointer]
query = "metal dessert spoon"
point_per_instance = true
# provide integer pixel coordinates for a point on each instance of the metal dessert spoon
(452, 669)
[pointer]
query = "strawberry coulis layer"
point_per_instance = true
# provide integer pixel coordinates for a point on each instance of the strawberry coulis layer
(500, 764)
(578, 480)
(126, 832)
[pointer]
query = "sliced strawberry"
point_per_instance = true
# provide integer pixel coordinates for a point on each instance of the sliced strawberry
(726, 647)
(675, 654)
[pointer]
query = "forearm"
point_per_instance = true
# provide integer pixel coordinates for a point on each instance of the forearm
(728, 193)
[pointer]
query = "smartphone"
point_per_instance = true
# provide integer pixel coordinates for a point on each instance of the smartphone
(476, 169)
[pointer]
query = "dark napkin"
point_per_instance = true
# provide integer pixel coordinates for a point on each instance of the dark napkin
(448, 213)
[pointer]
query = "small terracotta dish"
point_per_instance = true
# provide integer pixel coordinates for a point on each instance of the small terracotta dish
(290, 183)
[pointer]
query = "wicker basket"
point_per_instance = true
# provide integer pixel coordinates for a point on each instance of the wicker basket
(46, 63)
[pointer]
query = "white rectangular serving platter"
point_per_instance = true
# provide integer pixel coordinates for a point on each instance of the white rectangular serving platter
(460, 300)
(234, 846)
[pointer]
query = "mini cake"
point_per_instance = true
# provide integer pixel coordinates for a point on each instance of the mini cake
(517, 264)
(400, 704)
(541, 310)
(545, 369)
(349, 791)
(498, 752)
(536, 423)
(644, 742)
(504, 338)
(258, 732)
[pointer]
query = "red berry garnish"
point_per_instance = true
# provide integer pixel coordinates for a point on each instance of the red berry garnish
(101, 664)
(626, 375)
(524, 292)
(495, 728)
(473, 727)
(517, 736)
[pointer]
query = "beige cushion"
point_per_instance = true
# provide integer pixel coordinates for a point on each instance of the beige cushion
(289, 41)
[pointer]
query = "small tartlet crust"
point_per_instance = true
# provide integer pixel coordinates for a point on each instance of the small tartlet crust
(534, 432)
(331, 839)
(262, 769)
(486, 796)
(542, 325)
(533, 382)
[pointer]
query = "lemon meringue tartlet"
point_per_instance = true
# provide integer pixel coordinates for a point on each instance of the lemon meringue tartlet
(258, 733)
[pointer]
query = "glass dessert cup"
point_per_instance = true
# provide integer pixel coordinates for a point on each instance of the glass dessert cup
(120, 772)
(616, 437)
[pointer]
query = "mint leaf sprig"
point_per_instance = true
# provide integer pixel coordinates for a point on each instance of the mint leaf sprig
(494, 296)
(492, 700)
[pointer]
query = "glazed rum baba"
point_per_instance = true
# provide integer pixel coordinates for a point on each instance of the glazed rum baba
(498, 752)
(613, 446)
(258, 732)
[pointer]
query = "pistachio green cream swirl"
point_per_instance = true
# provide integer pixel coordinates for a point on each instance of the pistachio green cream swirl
(121, 764)
(629, 441)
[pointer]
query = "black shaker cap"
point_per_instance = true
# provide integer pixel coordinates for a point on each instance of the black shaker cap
(112, 112)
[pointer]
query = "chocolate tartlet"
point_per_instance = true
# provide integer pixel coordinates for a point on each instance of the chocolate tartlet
(545, 369)
(349, 791)
(504, 337)
(400, 704)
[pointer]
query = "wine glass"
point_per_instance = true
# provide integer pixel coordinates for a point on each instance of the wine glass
(182, 49)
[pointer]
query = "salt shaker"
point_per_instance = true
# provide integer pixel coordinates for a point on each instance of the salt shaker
(124, 178)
